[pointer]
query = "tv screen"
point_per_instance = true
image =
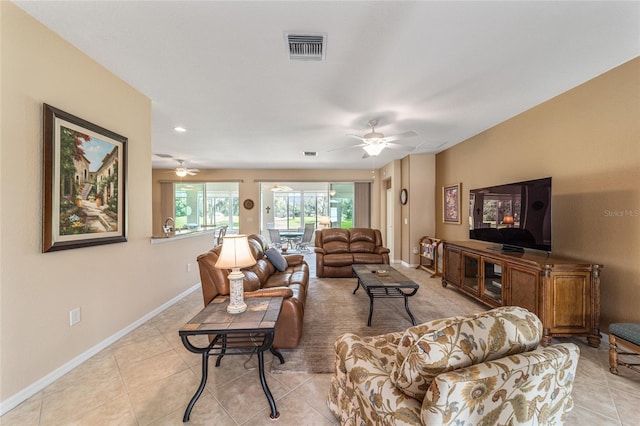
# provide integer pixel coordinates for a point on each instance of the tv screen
(516, 215)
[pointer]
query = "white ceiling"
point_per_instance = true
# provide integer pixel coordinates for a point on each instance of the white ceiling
(446, 70)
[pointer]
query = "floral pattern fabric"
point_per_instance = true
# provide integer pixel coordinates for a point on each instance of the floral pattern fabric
(483, 371)
(435, 347)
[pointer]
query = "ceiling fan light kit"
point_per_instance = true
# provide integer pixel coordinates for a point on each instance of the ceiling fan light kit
(374, 142)
(182, 171)
(374, 149)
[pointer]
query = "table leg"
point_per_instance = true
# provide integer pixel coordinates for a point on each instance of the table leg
(263, 381)
(278, 354)
(370, 308)
(357, 286)
(406, 306)
(223, 351)
(203, 382)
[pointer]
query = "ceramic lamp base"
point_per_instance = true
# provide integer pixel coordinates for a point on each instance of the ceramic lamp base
(236, 293)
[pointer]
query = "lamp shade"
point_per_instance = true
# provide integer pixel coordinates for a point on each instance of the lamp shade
(235, 253)
(507, 220)
(324, 220)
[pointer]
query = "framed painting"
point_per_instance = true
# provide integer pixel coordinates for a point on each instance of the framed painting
(451, 203)
(84, 183)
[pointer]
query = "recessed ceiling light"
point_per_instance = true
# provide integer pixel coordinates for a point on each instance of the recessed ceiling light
(180, 129)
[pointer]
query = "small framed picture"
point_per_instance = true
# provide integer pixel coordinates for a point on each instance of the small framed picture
(84, 185)
(451, 204)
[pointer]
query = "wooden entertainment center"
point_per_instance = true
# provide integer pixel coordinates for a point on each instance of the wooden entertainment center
(563, 293)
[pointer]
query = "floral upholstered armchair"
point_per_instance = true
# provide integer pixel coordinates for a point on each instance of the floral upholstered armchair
(468, 370)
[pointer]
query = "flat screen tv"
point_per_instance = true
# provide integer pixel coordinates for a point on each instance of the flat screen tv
(516, 215)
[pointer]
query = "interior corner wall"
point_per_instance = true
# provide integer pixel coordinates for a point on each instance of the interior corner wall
(586, 139)
(405, 224)
(115, 284)
(421, 202)
(391, 179)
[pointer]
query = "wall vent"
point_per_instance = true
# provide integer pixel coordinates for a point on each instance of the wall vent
(310, 154)
(306, 46)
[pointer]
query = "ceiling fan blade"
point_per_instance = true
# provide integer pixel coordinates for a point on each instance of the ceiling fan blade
(357, 137)
(399, 136)
(403, 147)
(347, 147)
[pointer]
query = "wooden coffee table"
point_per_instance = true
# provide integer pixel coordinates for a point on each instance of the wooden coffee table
(246, 333)
(393, 285)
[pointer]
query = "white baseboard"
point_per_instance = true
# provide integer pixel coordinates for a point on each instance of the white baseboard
(26, 393)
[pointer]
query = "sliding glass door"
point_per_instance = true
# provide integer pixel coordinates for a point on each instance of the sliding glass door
(292, 205)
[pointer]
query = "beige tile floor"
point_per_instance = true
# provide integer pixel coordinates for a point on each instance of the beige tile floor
(148, 377)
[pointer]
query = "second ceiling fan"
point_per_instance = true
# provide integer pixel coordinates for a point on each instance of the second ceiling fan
(374, 142)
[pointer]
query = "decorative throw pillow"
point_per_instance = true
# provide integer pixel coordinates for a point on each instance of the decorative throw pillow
(276, 259)
(443, 345)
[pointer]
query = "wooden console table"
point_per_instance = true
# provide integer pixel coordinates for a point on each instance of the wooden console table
(563, 293)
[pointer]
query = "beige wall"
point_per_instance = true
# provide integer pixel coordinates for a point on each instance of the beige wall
(114, 285)
(587, 140)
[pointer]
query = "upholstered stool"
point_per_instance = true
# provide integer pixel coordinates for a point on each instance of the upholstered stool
(627, 335)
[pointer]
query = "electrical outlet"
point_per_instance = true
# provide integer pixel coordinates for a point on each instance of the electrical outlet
(74, 316)
(188, 267)
(415, 250)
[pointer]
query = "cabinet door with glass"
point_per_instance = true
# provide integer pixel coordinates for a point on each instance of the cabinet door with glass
(471, 274)
(492, 282)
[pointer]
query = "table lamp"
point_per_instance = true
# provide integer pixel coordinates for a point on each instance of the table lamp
(325, 221)
(235, 254)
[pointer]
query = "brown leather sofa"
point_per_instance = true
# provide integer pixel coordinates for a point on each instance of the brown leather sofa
(263, 280)
(338, 249)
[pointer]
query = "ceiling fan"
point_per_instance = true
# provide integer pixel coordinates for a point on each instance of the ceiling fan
(276, 187)
(374, 142)
(182, 171)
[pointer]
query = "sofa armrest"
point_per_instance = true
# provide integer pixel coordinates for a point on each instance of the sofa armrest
(531, 387)
(320, 250)
(294, 259)
(378, 399)
(381, 250)
(285, 292)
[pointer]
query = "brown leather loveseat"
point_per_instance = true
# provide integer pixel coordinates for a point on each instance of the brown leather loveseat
(338, 249)
(263, 280)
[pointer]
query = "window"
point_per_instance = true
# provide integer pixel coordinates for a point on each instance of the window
(206, 204)
(307, 203)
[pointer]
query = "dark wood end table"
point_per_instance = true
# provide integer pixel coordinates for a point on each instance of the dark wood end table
(393, 285)
(246, 333)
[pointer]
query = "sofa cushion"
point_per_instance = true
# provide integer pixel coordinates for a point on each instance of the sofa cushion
(532, 388)
(366, 258)
(276, 258)
(363, 240)
(335, 240)
(338, 259)
(435, 347)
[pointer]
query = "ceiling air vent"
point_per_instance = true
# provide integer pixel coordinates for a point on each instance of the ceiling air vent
(310, 154)
(306, 47)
